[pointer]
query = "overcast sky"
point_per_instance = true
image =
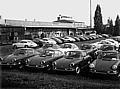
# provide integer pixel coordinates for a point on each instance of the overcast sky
(48, 10)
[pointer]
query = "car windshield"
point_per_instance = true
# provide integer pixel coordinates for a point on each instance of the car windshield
(48, 53)
(23, 52)
(66, 38)
(30, 42)
(73, 54)
(45, 39)
(48, 45)
(109, 56)
(66, 46)
(20, 52)
(107, 47)
(85, 47)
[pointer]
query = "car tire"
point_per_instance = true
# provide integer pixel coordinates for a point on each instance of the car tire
(26, 46)
(77, 70)
(53, 67)
(118, 75)
(15, 46)
(49, 68)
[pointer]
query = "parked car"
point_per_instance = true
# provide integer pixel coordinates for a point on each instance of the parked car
(24, 43)
(67, 47)
(77, 39)
(107, 62)
(82, 38)
(48, 46)
(102, 42)
(116, 38)
(107, 47)
(100, 36)
(87, 38)
(114, 42)
(86, 46)
(39, 41)
(62, 39)
(91, 50)
(57, 40)
(105, 35)
(47, 62)
(49, 40)
(90, 37)
(69, 39)
(74, 60)
(18, 57)
(44, 60)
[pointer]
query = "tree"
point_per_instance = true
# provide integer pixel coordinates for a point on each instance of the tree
(111, 27)
(117, 26)
(98, 24)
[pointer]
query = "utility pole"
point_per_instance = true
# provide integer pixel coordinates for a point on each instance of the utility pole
(90, 16)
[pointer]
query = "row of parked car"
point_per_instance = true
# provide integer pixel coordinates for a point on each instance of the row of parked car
(56, 40)
(67, 57)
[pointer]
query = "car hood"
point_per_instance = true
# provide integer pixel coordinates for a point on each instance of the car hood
(11, 58)
(36, 60)
(51, 59)
(104, 65)
(64, 62)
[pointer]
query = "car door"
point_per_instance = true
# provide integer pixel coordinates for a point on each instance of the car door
(23, 43)
(19, 44)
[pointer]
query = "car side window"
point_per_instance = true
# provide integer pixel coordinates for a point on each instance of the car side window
(57, 53)
(23, 42)
(29, 52)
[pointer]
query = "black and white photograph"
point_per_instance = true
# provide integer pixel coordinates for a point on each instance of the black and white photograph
(59, 44)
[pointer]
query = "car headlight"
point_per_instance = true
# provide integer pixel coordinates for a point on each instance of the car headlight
(114, 67)
(92, 65)
(15, 59)
(54, 63)
(72, 65)
(42, 62)
(27, 60)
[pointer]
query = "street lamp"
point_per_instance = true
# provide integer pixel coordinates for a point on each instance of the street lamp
(90, 16)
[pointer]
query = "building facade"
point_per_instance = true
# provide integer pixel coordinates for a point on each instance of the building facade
(11, 30)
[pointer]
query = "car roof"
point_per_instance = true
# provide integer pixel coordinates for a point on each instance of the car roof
(26, 40)
(26, 48)
(111, 51)
(79, 50)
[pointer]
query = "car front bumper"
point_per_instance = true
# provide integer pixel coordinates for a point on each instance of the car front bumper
(64, 69)
(37, 66)
(111, 72)
(9, 64)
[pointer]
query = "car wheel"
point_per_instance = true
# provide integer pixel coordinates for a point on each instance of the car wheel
(15, 46)
(116, 77)
(77, 70)
(118, 74)
(49, 68)
(53, 66)
(26, 46)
